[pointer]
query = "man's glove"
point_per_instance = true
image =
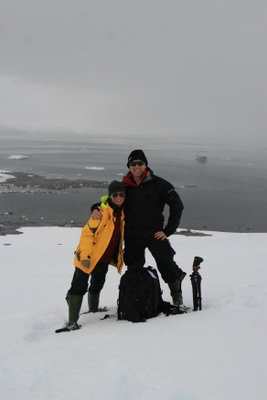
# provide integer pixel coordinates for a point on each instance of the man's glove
(86, 263)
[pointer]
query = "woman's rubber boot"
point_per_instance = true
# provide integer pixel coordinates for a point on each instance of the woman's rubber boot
(93, 302)
(75, 303)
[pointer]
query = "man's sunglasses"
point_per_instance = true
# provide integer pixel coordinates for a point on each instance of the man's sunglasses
(116, 194)
(134, 163)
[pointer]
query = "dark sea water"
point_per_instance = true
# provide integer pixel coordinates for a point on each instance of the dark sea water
(227, 193)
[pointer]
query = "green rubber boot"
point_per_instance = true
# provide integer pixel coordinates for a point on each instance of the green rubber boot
(93, 302)
(176, 290)
(75, 303)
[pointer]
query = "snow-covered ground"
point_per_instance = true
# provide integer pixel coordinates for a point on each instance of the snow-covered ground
(216, 353)
(4, 175)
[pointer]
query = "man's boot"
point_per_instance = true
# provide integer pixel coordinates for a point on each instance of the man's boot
(176, 290)
(75, 303)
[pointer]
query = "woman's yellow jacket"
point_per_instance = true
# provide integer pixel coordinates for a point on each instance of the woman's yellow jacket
(95, 237)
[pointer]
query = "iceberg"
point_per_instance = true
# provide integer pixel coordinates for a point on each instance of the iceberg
(17, 157)
(95, 168)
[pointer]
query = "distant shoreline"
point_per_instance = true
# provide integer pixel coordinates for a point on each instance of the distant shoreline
(29, 200)
(19, 181)
(22, 186)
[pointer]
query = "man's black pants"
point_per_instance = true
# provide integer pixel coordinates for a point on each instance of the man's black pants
(161, 250)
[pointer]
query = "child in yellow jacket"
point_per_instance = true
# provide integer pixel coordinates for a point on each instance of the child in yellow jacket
(101, 244)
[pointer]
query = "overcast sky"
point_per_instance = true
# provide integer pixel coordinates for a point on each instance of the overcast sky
(190, 67)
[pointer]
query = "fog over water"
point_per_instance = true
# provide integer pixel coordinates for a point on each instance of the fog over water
(228, 192)
(82, 83)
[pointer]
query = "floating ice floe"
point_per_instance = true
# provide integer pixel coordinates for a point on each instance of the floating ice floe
(95, 168)
(17, 157)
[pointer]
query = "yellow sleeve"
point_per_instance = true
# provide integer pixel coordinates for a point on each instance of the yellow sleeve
(85, 246)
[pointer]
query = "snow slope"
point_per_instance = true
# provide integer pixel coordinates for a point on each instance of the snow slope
(217, 353)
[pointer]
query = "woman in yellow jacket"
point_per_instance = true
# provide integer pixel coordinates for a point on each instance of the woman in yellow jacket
(100, 244)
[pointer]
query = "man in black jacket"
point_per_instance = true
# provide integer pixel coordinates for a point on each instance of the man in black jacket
(146, 196)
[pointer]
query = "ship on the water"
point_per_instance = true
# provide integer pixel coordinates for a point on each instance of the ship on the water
(201, 157)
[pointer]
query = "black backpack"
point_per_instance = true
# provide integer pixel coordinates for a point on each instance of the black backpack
(140, 295)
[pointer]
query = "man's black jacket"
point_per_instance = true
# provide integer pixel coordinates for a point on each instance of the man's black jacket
(144, 206)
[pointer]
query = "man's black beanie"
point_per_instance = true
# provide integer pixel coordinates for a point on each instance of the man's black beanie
(137, 155)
